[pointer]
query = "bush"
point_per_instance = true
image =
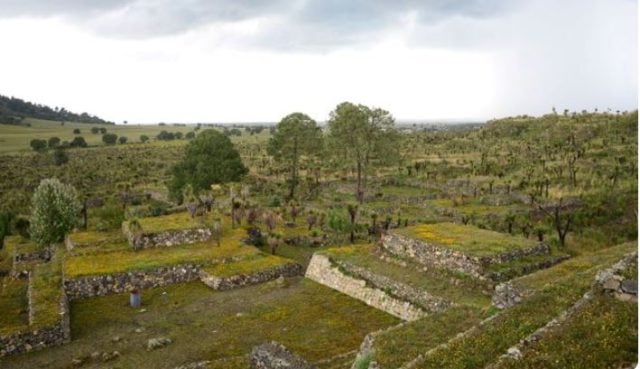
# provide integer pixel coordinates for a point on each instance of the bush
(53, 142)
(122, 140)
(166, 136)
(76, 131)
(144, 138)
(55, 212)
(95, 130)
(78, 142)
(109, 217)
(109, 138)
(190, 135)
(275, 201)
(60, 157)
(21, 226)
(38, 145)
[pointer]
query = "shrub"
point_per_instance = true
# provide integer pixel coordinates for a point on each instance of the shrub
(60, 156)
(275, 201)
(144, 138)
(165, 136)
(178, 135)
(38, 145)
(122, 140)
(55, 212)
(190, 135)
(76, 131)
(53, 142)
(21, 226)
(78, 142)
(109, 138)
(95, 130)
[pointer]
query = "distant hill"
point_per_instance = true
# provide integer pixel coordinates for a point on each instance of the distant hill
(14, 110)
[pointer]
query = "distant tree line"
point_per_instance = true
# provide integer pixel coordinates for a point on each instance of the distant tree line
(14, 110)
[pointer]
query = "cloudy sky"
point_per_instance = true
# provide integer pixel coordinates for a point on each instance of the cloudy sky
(250, 60)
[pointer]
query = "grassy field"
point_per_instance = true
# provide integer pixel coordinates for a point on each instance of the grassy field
(313, 321)
(258, 263)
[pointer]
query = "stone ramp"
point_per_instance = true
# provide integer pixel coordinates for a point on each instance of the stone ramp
(322, 270)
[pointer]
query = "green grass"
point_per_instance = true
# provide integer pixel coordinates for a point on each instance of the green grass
(247, 266)
(465, 238)
(311, 320)
(400, 345)
(95, 238)
(13, 305)
(436, 282)
(602, 334)
(122, 261)
(47, 292)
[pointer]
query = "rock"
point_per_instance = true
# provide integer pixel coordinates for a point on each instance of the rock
(28, 347)
(280, 281)
(95, 355)
(611, 284)
(626, 297)
(239, 315)
(629, 286)
(156, 343)
(116, 339)
(514, 353)
(77, 361)
(139, 330)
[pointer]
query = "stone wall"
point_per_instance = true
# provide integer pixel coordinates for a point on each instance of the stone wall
(441, 257)
(144, 240)
(273, 355)
(235, 281)
(36, 338)
(323, 271)
(91, 286)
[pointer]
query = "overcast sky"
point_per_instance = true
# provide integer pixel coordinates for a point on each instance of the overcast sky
(250, 60)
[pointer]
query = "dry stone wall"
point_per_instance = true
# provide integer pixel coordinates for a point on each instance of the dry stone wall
(102, 285)
(322, 270)
(235, 281)
(145, 240)
(441, 257)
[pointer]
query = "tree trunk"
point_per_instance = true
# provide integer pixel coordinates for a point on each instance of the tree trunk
(359, 192)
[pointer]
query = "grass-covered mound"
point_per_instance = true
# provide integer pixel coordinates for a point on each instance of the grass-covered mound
(468, 239)
(174, 222)
(47, 293)
(125, 260)
(451, 286)
(82, 239)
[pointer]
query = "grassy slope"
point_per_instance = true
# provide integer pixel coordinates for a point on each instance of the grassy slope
(313, 321)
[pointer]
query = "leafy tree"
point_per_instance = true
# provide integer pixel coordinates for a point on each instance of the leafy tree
(78, 142)
(95, 130)
(53, 142)
(178, 135)
(296, 135)
(38, 145)
(109, 138)
(55, 212)
(122, 140)
(362, 135)
(166, 136)
(209, 159)
(103, 130)
(76, 131)
(190, 135)
(144, 138)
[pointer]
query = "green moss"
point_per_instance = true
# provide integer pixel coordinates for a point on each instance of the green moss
(247, 266)
(129, 260)
(436, 282)
(602, 334)
(468, 239)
